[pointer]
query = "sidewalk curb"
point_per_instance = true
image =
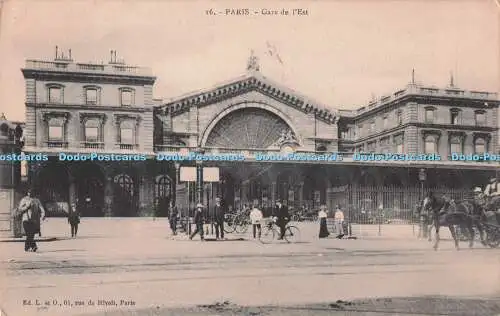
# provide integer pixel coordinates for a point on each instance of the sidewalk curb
(22, 239)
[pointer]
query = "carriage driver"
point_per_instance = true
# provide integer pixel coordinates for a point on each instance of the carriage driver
(492, 192)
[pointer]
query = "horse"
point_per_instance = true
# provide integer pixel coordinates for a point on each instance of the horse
(445, 212)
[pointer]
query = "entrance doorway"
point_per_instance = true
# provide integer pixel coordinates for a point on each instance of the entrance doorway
(89, 181)
(124, 196)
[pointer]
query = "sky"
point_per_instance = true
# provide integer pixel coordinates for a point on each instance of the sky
(340, 53)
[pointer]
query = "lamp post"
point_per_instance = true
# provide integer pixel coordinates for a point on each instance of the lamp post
(176, 182)
(422, 176)
(199, 177)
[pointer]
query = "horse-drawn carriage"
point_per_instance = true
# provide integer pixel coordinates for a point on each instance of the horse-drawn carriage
(465, 220)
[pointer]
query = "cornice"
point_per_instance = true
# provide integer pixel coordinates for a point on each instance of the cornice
(73, 107)
(246, 85)
(455, 127)
(87, 77)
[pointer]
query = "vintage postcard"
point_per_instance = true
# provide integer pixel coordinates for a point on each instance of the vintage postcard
(249, 157)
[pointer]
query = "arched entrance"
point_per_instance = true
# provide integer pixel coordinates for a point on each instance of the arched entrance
(124, 196)
(163, 195)
(51, 187)
(89, 188)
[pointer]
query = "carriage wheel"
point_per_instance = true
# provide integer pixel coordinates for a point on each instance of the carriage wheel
(492, 237)
(292, 234)
(241, 225)
(295, 218)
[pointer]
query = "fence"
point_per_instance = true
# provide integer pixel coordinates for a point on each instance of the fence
(385, 204)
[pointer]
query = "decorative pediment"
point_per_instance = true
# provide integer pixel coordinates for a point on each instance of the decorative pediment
(49, 115)
(247, 83)
(433, 132)
(486, 136)
(89, 116)
(127, 117)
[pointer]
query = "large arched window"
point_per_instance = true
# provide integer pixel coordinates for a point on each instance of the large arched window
(163, 187)
(126, 183)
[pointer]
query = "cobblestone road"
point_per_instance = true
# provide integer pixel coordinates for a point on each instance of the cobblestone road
(134, 265)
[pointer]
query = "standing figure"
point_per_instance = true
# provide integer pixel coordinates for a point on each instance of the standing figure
(219, 219)
(492, 192)
(73, 219)
(25, 209)
(38, 214)
(198, 220)
(256, 219)
(173, 214)
(339, 222)
(283, 217)
(323, 229)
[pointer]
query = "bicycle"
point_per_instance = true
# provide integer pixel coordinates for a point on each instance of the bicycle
(270, 232)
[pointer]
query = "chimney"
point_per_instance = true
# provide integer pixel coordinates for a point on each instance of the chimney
(69, 53)
(111, 56)
(57, 52)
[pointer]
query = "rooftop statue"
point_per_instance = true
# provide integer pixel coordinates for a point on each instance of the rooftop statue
(253, 62)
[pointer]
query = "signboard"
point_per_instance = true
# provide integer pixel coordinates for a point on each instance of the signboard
(188, 174)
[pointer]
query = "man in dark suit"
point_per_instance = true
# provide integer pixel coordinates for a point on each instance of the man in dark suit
(219, 219)
(283, 217)
(199, 220)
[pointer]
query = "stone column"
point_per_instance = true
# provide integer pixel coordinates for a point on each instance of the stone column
(244, 193)
(146, 196)
(301, 193)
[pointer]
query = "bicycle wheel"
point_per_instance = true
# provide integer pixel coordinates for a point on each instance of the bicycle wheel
(292, 234)
(241, 226)
(268, 234)
(229, 227)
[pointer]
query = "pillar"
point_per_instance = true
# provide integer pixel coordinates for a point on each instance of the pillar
(199, 182)
(108, 197)
(146, 196)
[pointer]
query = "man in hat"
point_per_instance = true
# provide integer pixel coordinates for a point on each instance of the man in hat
(198, 220)
(29, 220)
(283, 217)
(219, 219)
(492, 192)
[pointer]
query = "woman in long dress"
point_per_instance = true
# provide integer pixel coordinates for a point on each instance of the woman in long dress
(323, 229)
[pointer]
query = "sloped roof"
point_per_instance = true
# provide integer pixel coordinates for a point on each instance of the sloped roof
(251, 81)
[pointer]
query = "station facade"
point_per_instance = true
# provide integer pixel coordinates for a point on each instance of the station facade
(109, 109)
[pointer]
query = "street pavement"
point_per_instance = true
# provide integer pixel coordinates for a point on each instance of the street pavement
(135, 264)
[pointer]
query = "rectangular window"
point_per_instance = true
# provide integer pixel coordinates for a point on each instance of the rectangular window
(399, 148)
(92, 134)
(399, 117)
(372, 127)
(126, 98)
(55, 95)
(56, 133)
(429, 115)
(91, 96)
(430, 146)
(127, 136)
(480, 119)
(480, 149)
(386, 122)
(456, 148)
(454, 118)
